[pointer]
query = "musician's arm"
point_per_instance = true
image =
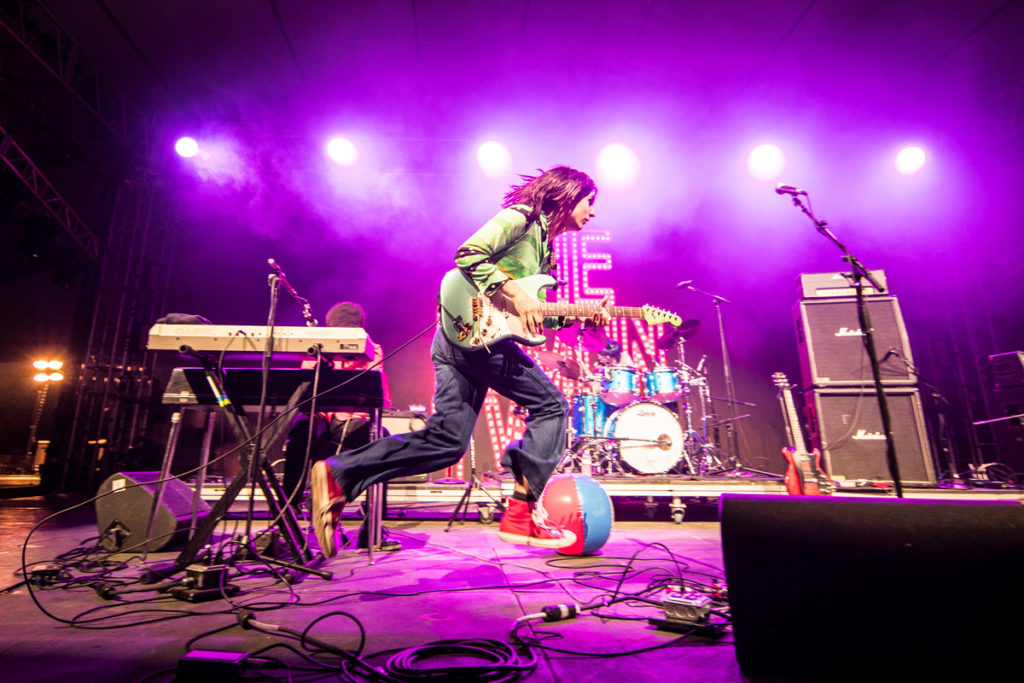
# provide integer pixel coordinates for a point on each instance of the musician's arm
(478, 254)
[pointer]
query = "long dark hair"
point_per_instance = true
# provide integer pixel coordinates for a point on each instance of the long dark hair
(554, 192)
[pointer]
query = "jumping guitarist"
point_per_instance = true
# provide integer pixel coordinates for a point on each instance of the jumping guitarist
(803, 474)
(516, 243)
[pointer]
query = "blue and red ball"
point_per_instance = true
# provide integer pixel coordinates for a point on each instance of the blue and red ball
(577, 503)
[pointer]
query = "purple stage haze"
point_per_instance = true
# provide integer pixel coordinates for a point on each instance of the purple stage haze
(690, 88)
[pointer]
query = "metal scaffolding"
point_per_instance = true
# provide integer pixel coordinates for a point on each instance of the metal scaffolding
(131, 245)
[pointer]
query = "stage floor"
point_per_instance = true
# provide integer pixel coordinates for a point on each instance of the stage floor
(456, 583)
(442, 585)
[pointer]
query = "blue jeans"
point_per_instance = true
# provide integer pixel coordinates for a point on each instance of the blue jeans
(462, 381)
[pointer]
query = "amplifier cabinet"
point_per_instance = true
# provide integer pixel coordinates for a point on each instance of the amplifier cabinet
(832, 285)
(846, 426)
(831, 343)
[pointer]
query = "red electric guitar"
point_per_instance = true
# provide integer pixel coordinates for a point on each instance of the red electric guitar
(804, 476)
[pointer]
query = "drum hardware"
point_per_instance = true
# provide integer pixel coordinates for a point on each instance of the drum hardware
(618, 423)
(730, 389)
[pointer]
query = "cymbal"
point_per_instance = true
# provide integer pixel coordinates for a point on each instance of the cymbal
(567, 367)
(685, 331)
(593, 339)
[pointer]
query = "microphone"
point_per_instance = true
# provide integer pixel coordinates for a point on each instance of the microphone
(782, 188)
(685, 284)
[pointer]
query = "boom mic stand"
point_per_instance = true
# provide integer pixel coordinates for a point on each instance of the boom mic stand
(858, 275)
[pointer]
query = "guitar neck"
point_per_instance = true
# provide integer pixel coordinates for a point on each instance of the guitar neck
(564, 308)
(793, 422)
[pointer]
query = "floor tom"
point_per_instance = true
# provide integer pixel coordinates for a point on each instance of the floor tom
(589, 414)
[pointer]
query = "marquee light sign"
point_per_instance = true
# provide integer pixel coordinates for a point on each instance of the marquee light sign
(579, 257)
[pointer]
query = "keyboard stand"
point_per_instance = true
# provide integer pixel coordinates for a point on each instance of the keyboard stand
(255, 468)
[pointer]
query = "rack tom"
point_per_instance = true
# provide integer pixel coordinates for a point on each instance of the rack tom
(620, 385)
(662, 385)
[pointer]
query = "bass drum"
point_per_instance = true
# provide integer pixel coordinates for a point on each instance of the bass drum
(648, 435)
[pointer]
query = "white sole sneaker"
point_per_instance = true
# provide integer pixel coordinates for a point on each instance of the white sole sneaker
(323, 505)
(567, 539)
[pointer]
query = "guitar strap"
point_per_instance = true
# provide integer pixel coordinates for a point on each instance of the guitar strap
(494, 258)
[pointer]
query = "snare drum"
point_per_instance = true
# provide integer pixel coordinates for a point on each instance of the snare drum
(662, 385)
(649, 437)
(589, 413)
(620, 385)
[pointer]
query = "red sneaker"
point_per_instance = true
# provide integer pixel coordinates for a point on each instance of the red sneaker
(526, 525)
(328, 500)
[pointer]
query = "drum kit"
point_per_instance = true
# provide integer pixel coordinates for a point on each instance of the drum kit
(634, 422)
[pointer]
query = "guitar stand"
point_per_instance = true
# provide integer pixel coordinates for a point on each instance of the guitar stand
(262, 474)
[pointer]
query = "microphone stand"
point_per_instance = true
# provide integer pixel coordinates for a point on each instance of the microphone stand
(730, 390)
(858, 275)
(307, 312)
(257, 446)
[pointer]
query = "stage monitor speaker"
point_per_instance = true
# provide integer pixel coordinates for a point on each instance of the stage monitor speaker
(124, 505)
(845, 425)
(868, 589)
(831, 343)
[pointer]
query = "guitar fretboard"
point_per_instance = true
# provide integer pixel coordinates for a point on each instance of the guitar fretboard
(564, 308)
(796, 432)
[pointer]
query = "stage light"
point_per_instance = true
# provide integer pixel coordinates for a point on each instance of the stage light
(910, 160)
(48, 364)
(617, 166)
(186, 147)
(342, 151)
(493, 158)
(766, 162)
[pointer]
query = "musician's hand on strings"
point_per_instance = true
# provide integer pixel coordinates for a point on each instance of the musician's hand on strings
(527, 308)
(602, 317)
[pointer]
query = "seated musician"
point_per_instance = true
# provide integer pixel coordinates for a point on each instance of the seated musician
(333, 432)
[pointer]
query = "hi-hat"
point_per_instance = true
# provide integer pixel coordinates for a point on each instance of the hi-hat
(685, 331)
(567, 367)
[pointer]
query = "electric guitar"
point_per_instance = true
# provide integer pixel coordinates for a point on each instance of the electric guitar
(804, 475)
(471, 320)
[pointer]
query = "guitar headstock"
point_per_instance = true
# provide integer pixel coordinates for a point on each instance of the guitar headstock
(780, 379)
(653, 315)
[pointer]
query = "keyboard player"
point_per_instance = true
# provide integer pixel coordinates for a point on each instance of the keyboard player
(338, 431)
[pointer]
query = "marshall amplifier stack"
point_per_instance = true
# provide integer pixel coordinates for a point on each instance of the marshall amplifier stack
(841, 402)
